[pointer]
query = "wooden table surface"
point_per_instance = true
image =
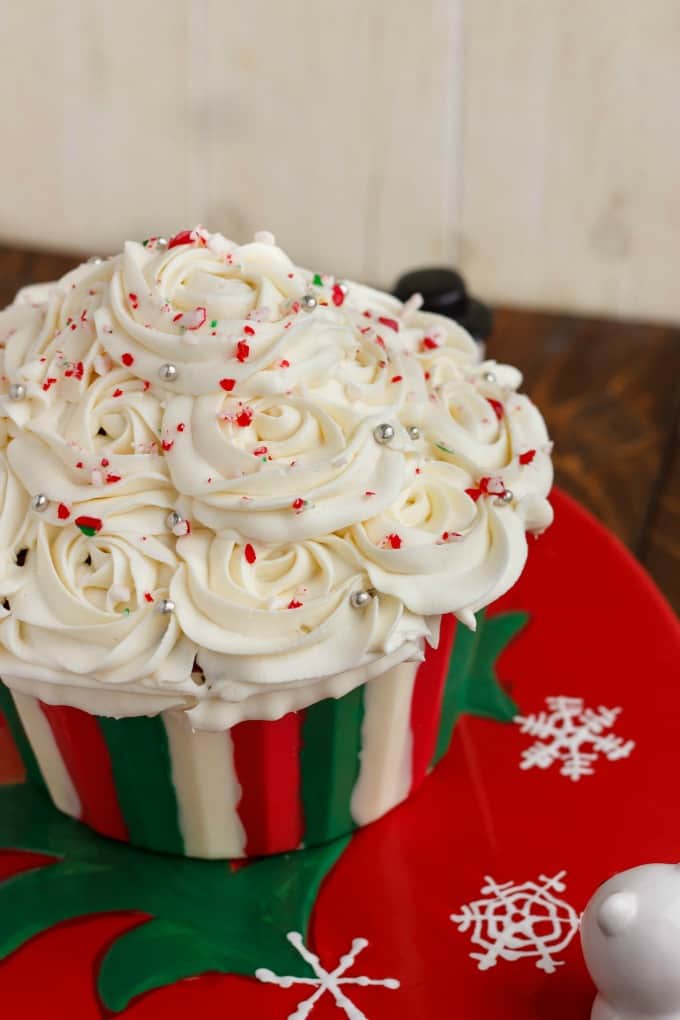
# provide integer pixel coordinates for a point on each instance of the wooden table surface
(610, 392)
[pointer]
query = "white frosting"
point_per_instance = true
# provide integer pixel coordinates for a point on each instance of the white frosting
(264, 444)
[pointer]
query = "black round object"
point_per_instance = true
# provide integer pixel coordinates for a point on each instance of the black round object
(444, 292)
(477, 320)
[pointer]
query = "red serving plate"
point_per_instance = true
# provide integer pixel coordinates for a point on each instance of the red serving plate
(153, 933)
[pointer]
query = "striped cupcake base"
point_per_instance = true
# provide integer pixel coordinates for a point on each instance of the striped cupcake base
(258, 788)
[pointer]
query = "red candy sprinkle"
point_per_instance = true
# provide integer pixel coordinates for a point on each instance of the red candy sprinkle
(260, 451)
(396, 378)
(244, 418)
(486, 487)
(369, 492)
(127, 359)
(249, 331)
(497, 407)
(50, 381)
(110, 479)
(181, 427)
(298, 503)
(117, 392)
(527, 457)
(429, 344)
(284, 364)
(294, 604)
(242, 350)
(184, 237)
(202, 317)
(63, 512)
(148, 596)
(250, 553)
(227, 384)
(89, 525)
(134, 300)
(390, 323)
(394, 541)
(104, 462)
(79, 464)
(168, 444)
(338, 295)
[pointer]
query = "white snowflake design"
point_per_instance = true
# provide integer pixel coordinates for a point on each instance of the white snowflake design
(325, 981)
(513, 922)
(572, 735)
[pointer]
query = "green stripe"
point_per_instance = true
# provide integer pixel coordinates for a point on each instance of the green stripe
(472, 684)
(142, 772)
(30, 761)
(331, 742)
(455, 690)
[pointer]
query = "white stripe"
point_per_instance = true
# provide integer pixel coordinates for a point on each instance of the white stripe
(207, 789)
(48, 755)
(386, 744)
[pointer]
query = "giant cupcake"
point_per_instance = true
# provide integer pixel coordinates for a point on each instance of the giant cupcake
(244, 506)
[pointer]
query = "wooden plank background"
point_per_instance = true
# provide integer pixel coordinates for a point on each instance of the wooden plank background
(536, 142)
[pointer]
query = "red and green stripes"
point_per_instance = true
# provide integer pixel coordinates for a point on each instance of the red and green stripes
(267, 764)
(142, 776)
(9, 710)
(330, 763)
(428, 724)
(80, 741)
(262, 787)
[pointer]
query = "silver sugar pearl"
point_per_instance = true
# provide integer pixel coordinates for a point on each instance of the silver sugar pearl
(489, 377)
(507, 496)
(161, 243)
(414, 432)
(168, 372)
(173, 519)
(359, 599)
(308, 302)
(17, 391)
(95, 260)
(383, 433)
(165, 607)
(39, 502)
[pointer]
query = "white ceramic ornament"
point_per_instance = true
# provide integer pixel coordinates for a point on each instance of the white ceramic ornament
(631, 942)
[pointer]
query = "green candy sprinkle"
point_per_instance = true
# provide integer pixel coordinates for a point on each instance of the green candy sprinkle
(213, 324)
(316, 280)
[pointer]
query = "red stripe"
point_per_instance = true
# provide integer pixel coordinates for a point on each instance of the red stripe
(427, 700)
(87, 761)
(267, 763)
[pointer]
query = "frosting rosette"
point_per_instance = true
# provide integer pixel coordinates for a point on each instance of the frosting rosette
(16, 527)
(273, 614)
(277, 467)
(89, 604)
(303, 473)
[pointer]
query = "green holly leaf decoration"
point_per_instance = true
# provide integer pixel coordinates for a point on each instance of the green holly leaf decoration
(202, 915)
(472, 684)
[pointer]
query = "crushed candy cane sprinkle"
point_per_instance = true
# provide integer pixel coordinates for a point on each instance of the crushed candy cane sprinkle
(241, 431)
